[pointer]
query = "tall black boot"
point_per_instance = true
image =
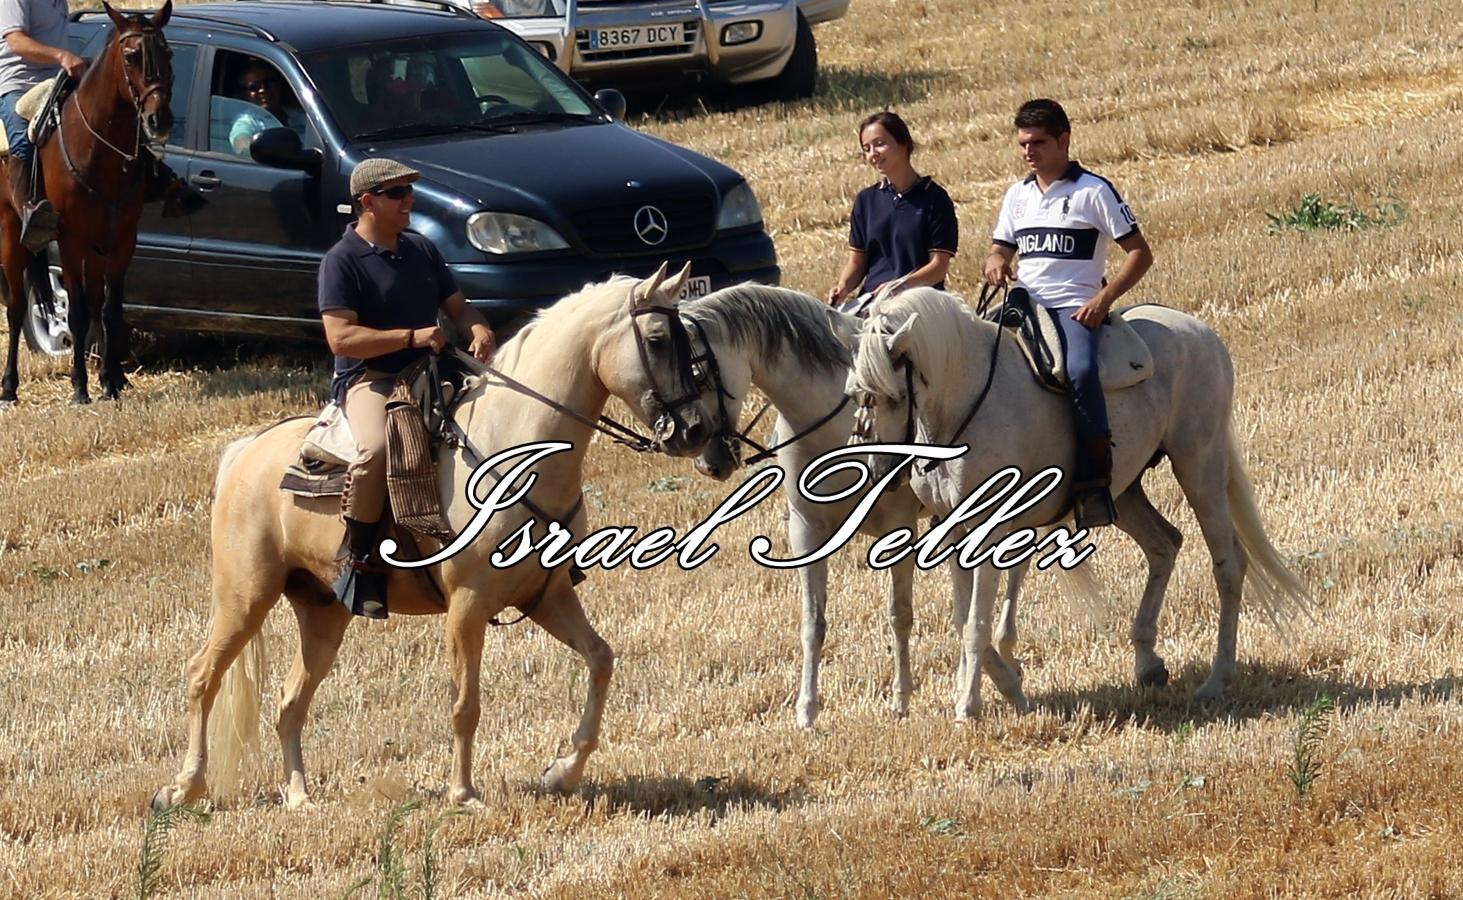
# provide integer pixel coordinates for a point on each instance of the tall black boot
(1091, 497)
(361, 584)
(38, 221)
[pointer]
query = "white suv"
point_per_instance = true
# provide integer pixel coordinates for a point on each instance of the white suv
(659, 43)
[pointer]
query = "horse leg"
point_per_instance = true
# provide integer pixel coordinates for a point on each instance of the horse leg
(1004, 675)
(114, 338)
(466, 624)
(814, 581)
(322, 626)
(13, 260)
(1204, 477)
(562, 616)
(238, 614)
(1160, 541)
(1006, 629)
(962, 585)
(78, 319)
(901, 621)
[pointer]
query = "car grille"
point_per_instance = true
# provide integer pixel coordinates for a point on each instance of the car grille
(682, 49)
(610, 230)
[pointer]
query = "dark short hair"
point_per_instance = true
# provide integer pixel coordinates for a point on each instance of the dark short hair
(1044, 114)
(892, 124)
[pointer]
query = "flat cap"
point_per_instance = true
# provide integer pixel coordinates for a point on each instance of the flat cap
(375, 171)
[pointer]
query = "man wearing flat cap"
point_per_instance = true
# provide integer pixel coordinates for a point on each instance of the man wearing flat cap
(381, 287)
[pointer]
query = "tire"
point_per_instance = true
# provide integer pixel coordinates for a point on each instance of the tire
(44, 325)
(799, 78)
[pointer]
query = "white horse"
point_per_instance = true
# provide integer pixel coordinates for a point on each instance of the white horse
(620, 337)
(1184, 412)
(795, 349)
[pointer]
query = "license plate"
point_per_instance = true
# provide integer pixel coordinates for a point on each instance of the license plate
(699, 286)
(636, 37)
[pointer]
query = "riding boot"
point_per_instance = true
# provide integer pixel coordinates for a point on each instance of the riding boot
(1091, 497)
(361, 584)
(38, 221)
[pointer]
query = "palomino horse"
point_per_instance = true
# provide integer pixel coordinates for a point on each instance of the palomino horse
(794, 348)
(94, 168)
(935, 344)
(620, 337)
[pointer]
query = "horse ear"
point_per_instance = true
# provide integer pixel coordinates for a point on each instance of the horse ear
(117, 21)
(898, 342)
(647, 288)
(161, 17)
(671, 289)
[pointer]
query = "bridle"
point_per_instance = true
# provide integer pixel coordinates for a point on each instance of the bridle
(707, 372)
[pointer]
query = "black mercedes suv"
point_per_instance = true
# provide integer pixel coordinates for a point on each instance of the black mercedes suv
(529, 186)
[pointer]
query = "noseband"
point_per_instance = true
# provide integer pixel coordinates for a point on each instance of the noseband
(690, 392)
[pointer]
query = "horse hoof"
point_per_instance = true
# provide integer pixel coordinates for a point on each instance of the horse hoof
(1209, 692)
(807, 714)
(80, 399)
(6, 402)
(164, 799)
(559, 779)
(1156, 677)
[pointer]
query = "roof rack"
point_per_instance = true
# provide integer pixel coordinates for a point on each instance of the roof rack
(183, 13)
(444, 5)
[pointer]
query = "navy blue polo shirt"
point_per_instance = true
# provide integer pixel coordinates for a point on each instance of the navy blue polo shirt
(385, 290)
(896, 231)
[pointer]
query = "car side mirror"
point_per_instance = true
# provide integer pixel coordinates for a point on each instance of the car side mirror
(612, 102)
(280, 148)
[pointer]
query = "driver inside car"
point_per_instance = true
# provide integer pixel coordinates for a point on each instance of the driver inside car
(260, 85)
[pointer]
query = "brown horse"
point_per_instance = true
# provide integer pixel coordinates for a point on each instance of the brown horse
(94, 165)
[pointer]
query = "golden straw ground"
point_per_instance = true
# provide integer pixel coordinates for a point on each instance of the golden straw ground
(1349, 352)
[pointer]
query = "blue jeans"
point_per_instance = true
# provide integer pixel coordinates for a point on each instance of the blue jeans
(1079, 349)
(15, 126)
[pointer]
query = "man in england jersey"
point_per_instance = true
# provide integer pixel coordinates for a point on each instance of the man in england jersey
(1059, 220)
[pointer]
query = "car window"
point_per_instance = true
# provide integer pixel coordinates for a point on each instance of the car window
(439, 81)
(249, 95)
(185, 63)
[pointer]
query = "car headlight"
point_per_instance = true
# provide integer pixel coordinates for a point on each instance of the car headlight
(739, 208)
(502, 233)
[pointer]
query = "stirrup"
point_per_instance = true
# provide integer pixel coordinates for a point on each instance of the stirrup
(361, 587)
(1094, 508)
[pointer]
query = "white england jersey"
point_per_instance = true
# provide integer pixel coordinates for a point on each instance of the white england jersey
(1061, 236)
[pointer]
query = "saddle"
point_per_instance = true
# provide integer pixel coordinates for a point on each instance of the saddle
(41, 107)
(1123, 359)
(417, 413)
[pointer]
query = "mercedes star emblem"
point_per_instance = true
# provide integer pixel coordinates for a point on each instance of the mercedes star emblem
(650, 225)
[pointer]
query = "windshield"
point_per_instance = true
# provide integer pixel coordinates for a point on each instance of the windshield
(482, 80)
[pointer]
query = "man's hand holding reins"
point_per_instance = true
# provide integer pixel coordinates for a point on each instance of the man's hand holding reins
(483, 345)
(73, 65)
(998, 265)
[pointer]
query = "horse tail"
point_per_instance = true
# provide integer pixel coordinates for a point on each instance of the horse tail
(233, 726)
(1085, 593)
(1281, 592)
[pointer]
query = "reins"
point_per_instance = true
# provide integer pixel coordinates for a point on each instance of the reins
(987, 293)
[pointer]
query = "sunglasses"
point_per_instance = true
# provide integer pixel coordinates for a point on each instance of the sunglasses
(400, 192)
(260, 84)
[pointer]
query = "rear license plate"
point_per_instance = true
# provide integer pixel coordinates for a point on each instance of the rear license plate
(699, 286)
(637, 37)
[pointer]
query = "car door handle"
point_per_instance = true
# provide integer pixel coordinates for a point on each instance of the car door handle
(206, 179)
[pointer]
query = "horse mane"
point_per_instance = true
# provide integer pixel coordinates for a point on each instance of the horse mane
(510, 354)
(773, 321)
(938, 341)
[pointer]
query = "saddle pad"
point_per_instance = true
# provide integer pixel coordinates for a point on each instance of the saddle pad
(329, 440)
(314, 480)
(27, 106)
(1123, 359)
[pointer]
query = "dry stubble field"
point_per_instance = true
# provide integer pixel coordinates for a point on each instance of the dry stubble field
(1347, 346)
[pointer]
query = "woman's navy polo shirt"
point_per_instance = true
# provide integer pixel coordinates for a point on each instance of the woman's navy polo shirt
(386, 290)
(896, 232)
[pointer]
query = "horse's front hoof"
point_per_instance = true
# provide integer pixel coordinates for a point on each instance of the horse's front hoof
(81, 398)
(1155, 677)
(6, 402)
(560, 778)
(165, 798)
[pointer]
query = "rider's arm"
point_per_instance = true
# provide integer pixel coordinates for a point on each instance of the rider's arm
(851, 276)
(932, 272)
(998, 263)
(1139, 258)
(347, 337)
(36, 53)
(471, 321)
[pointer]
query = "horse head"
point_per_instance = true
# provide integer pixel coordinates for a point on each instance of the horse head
(647, 355)
(146, 64)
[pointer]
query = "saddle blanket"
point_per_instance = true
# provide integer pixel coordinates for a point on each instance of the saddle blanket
(1123, 359)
